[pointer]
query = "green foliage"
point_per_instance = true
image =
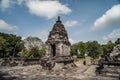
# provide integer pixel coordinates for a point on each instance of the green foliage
(2, 46)
(34, 48)
(73, 49)
(42, 51)
(107, 48)
(94, 49)
(10, 45)
(82, 47)
(33, 52)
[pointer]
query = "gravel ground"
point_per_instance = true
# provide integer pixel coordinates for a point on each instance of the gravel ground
(35, 72)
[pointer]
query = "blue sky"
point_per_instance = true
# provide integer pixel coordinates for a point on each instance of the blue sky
(84, 20)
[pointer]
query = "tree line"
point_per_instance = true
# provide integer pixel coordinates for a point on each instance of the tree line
(33, 47)
(13, 46)
(91, 48)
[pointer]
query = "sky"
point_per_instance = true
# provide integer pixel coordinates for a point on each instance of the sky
(84, 20)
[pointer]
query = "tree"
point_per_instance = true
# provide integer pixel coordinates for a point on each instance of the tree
(107, 48)
(2, 47)
(42, 51)
(12, 44)
(34, 48)
(73, 49)
(34, 52)
(94, 49)
(82, 48)
(33, 42)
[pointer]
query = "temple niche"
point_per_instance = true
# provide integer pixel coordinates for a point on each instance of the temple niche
(58, 45)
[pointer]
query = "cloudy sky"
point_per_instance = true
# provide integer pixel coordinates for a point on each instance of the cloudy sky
(84, 20)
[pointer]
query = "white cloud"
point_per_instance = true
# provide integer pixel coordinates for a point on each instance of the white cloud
(44, 35)
(47, 9)
(42, 8)
(113, 35)
(7, 27)
(4, 4)
(71, 23)
(72, 41)
(110, 18)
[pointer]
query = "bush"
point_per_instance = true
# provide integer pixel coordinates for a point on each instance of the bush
(33, 52)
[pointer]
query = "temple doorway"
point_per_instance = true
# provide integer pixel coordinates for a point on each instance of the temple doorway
(53, 49)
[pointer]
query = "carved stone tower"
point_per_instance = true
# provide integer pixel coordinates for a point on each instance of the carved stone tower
(58, 45)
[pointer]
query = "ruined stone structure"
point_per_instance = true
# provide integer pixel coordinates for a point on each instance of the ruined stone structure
(57, 49)
(110, 63)
(116, 49)
(58, 45)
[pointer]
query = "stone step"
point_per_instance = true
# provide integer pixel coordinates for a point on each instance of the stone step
(111, 71)
(110, 75)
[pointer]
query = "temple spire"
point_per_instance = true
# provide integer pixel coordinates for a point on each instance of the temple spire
(59, 19)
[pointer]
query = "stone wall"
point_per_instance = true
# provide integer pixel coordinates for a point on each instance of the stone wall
(18, 62)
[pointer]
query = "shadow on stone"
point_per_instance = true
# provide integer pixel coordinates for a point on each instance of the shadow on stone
(6, 76)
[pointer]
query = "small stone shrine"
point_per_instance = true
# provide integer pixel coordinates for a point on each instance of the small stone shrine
(58, 45)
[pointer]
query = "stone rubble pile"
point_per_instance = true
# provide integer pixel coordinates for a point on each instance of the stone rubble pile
(109, 64)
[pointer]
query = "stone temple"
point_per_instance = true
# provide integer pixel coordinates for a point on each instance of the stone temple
(58, 45)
